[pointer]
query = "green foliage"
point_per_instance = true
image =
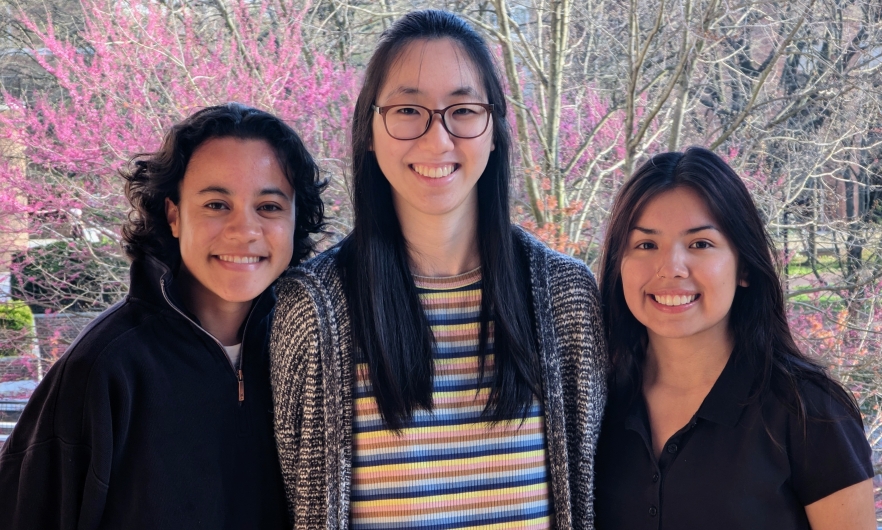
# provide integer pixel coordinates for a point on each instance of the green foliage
(16, 320)
(801, 266)
(15, 315)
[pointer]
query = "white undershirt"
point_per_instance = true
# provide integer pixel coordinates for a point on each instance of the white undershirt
(233, 353)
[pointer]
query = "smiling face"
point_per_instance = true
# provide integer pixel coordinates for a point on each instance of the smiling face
(234, 221)
(434, 175)
(679, 271)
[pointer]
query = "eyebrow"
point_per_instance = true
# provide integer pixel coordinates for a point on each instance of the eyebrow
(413, 91)
(225, 191)
(653, 232)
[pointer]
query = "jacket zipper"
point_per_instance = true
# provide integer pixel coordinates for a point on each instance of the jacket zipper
(236, 371)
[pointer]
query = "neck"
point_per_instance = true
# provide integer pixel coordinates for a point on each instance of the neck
(442, 245)
(685, 364)
(221, 318)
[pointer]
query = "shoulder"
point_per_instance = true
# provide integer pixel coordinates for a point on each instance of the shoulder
(313, 277)
(308, 298)
(561, 282)
(810, 397)
(552, 267)
(128, 326)
(115, 346)
(827, 401)
(100, 362)
(828, 448)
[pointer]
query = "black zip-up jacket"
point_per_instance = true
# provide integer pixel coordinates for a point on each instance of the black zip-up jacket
(145, 424)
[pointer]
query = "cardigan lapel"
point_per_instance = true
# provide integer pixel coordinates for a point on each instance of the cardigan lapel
(549, 361)
(337, 383)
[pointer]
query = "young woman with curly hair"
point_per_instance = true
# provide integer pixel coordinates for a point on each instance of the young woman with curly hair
(159, 415)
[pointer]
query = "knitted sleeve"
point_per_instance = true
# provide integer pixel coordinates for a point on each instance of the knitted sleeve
(295, 373)
(575, 306)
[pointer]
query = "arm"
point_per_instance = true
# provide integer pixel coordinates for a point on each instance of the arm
(850, 508)
(296, 378)
(48, 466)
(831, 461)
(583, 369)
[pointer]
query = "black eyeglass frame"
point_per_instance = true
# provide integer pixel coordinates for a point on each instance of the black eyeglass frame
(383, 110)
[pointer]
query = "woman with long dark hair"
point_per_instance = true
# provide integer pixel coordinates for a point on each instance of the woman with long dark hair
(716, 420)
(440, 366)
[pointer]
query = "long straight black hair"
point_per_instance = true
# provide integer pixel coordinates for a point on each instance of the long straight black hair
(388, 323)
(757, 318)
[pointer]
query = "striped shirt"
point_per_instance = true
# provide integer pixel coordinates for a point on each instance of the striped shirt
(449, 468)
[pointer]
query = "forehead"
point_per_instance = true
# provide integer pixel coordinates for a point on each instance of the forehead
(675, 210)
(432, 68)
(235, 164)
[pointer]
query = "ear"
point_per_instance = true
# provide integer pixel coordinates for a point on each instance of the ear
(742, 279)
(171, 215)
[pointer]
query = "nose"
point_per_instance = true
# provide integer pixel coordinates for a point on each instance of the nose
(673, 264)
(437, 139)
(243, 225)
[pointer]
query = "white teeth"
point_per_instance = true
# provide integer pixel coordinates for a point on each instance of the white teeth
(434, 172)
(239, 259)
(675, 300)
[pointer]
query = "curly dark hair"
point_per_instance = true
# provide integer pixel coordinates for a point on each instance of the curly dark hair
(153, 177)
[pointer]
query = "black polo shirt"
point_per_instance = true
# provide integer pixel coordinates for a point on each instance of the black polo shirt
(738, 464)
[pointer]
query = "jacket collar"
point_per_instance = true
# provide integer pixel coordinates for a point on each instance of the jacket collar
(147, 277)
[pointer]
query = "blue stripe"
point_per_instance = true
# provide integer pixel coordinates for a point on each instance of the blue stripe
(452, 523)
(437, 318)
(470, 287)
(427, 490)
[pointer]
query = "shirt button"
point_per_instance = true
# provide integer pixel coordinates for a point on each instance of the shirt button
(672, 448)
(653, 511)
(655, 477)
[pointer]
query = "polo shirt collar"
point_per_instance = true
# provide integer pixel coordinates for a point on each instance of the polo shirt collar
(730, 394)
(723, 404)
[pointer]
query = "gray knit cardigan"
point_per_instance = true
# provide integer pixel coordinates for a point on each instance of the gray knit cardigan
(312, 371)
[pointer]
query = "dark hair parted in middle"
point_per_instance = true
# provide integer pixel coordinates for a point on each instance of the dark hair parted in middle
(757, 318)
(389, 325)
(153, 177)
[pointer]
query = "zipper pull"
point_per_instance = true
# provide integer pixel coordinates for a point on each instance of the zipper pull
(241, 386)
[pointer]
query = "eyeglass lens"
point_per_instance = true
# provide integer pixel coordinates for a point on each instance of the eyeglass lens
(406, 122)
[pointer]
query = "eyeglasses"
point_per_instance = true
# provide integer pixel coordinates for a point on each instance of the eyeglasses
(409, 122)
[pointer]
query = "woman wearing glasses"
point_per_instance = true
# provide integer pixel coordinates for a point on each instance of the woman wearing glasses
(440, 366)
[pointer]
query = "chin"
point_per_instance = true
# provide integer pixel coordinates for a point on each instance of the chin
(241, 294)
